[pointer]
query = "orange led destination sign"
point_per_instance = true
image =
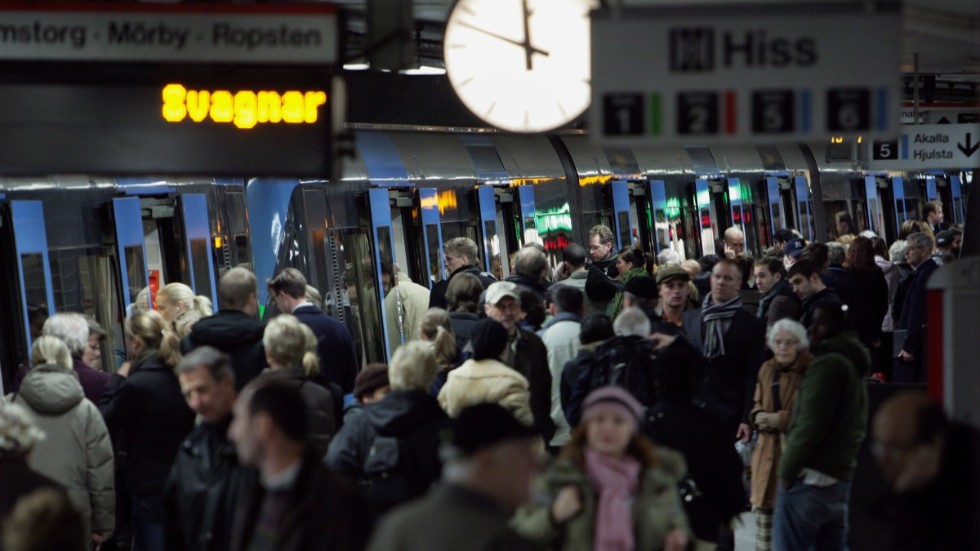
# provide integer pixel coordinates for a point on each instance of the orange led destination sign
(244, 108)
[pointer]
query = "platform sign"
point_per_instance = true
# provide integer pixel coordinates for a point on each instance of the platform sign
(929, 146)
(762, 72)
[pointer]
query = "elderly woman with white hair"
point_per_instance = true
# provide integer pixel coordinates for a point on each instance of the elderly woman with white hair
(392, 447)
(775, 392)
(77, 452)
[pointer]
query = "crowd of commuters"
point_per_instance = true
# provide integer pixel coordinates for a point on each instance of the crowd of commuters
(599, 405)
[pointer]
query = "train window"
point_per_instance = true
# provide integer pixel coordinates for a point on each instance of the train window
(623, 217)
(361, 288)
(493, 248)
(35, 288)
(201, 260)
(136, 268)
(435, 256)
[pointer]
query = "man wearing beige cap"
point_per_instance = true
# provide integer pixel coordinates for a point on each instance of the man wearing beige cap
(525, 351)
(673, 284)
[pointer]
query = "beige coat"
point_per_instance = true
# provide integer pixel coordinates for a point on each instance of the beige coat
(476, 382)
(765, 459)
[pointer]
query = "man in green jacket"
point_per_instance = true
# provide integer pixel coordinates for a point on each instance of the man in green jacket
(829, 420)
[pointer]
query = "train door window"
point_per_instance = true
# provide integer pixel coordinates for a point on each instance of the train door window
(361, 287)
(496, 250)
(154, 250)
(434, 259)
(136, 273)
(82, 282)
(34, 287)
(705, 218)
(200, 258)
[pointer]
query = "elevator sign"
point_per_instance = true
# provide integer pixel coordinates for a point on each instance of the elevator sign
(765, 72)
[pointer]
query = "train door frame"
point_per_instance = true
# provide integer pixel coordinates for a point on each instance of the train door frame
(197, 230)
(622, 221)
(431, 228)
(874, 211)
(496, 207)
(128, 223)
(30, 238)
(778, 194)
(703, 202)
(806, 224)
(381, 228)
(957, 200)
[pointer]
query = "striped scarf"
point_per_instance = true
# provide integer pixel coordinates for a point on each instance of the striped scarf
(712, 318)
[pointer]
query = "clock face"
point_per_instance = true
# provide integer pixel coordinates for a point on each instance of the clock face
(520, 65)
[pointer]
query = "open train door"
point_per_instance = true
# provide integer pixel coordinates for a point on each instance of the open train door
(197, 241)
(621, 213)
(435, 269)
(499, 230)
(381, 234)
(131, 249)
(33, 269)
(804, 209)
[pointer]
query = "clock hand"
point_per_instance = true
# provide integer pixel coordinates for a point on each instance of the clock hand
(504, 38)
(528, 52)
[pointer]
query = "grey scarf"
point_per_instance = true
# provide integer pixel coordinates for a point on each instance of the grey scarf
(712, 318)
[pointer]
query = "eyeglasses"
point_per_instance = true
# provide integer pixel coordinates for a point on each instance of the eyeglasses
(785, 342)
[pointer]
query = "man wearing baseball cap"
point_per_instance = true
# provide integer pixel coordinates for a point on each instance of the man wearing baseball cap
(487, 476)
(525, 351)
(673, 284)
(792, 251)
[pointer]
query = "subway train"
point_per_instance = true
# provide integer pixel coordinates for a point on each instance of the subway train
(90, 244)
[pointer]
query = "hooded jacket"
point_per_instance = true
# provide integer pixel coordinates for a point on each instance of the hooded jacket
(831, 411)
(235, 333)
(77, 452)
(478, 381)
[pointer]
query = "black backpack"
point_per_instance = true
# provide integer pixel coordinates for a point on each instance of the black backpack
(386, 478)
(629, 362)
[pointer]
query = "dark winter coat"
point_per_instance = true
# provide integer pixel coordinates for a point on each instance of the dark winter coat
(913, 316)
(148, 419)
(18, 480)
(202, 492)
(320, 409)
(437, 297)
(824, 297)
(235, 333)
(870, 306)
(323, 512)
(334, 345)
(531, 360)
(779, 303)
(412, 416)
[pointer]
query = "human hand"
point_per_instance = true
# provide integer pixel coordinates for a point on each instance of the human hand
(124, 369)
(567, 504)
(905, 356)
(676, 540)
(744, 432)
(729, 252)
(661, 340)
(97, 541)
(767, 421)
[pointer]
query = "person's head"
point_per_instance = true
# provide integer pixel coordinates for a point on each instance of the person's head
(93, 349)
(692, 267)
(289, 342)
(574, 256)
(918, 249)
(836, 254)
(828, 321)
(787, 338)
(805, 279)
(667, 257)
(488, 339)
(672, 286)
(503, 304)
(270, 419)
(372, 383)
(50, 350)
(595, 328)
(630, 258)
(18, 433)
(208, 383)
(794, 248)
(708, 262)
(287, 289)
(463, 293)
(861, 255)
(149, 331)
(459, 252)
(492, 453)
(436, 328)
(726, 280)
(174, 299)
(70, 328)
(531, 263)
(567, 299)
(413, 367)
(896, 253)
(817, 254)
(781, 237)
(601, 242)
(238, 290)
(768, 271)
(909, 433)
(611, 418)
(911, 226)
(641, 292)
(843, 222)
(532, 308)
(949, 240)
(313, 296)
(43, 520)
(632, 321)
(735, 239)
(932, 212)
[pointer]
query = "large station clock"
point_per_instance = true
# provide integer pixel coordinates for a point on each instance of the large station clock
(520, 65)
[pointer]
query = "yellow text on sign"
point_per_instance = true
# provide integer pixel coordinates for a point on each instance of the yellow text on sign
(244, 108)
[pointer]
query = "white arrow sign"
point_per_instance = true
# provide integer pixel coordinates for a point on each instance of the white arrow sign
(929, 146)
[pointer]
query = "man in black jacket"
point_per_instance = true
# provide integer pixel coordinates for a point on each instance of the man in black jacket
(918, 253)
(297, 504)
(334, 343)
(200, 496)
(234, 330)
(461, 256)
(804, 276)
(777, 300)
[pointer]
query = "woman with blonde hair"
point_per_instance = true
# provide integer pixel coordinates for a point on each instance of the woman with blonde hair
(148, 419)
(775, 393)
(177, 304)
(436, 328)
(392, 447)
(77, 452)
(290, 350)
(609, 489)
